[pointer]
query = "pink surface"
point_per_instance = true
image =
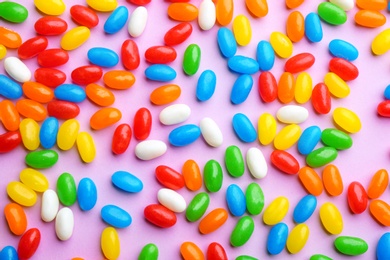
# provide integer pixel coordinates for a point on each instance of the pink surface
(370, 151)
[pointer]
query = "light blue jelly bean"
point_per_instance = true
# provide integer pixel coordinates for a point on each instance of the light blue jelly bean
(313, 27)
(235, 199)
(383, 247)
(305, 208)
(309, 139)
(86, 194)
(343, 49)
(160, 72)
(70, 92)
(116, 20)
(9, 253)
(184, 135)
(206, 85)
(127, 182)
(241, 89)
(103, 57)
(387, 92)
(243, 65)
(226, 42)
(277, 238)
(48, 132)
(244, 128)
(9, 88)
(115, 216)
(265, 55)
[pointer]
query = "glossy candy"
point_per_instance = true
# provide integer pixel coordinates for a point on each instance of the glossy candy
(150, 149)
(13, 12)
(311, 181)
(169, 177)
(9, 38)
(235, 199)
(243, 128)
(299, 62)
(84, 16)
(321, 156)
(130, 54)
(213, 221)
(211, 132)
(268, 88)
(295, 26)
(103, 57)
(174, 114)
(331, 13)
(320, 257)
(116, 20)
(346, 5)
(165, 94)
(9, 141)
(292, 114)
(254, 198)
(305, 208)
(277, 238)
(50, 26)
(52, 7)
(206, 85)
(309, 139)
(142, 123)
(183, 12)
(160, 72)
(31, 109)
(9, 88)
(352, 246)
(347, 120)
(246, 257)
(197, 207)
(16, 218)
(191, 59)
(256, 162)
(286, 87)
(64, 224)
(85, 75)
(10, 115)
(50, 77)
(115, 216)
(34, 180)
(9, 253)
(171, 200)
(70, 92)
(29, 243)
(224, 12)
(285, 162)
(212, 176)
(276, 211)
(75, 37)
(86, 147)
(343, 68)
(29, 130)
(104, 118)
(267, 128)
(149, 252)
(382, 248)
(41, 159)
(281, 44)
(207, 15)
(321, 100)
(357, 197)
(121, 139)
(160, 54)
(21, 194)
(242, 30)
(241, 89)
(62, 109)
(32, 47)
(265, 55)
(258, 8)
(216, 251)
(160, 216)
(371, 4)
(331, 218)
(234, 161)
(313, 28)
(380, 210)
(242, 232)
(178, 34)
(66, 189)
(53, 57)
(127, 182)
(86, 194)
(331, 178)
(383, 108)
(287, 137)
(226, 41)
(184, 135)
(343, 49)
(37, 92)
(49, 205)
(103, 6)
(190, 250)
(336, 139)
(3, 51)
(191, 174)
(119, 79)
(17, 69)
(291, 4)
(370, 18)
(137, 21)
(110, 243)
(297, 238)
(243, 65)
(378, 184)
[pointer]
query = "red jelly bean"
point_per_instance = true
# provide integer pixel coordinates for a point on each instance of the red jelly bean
(85, 75)
(357, 197)
(268, 88)
(50, 25)
(142, 123)
(216, 252)
(50, 77)
(84, 16)
(121, 139)
(343, 68)
(299, 62)
(383, 108)
(62, 109)
(53, 58)
(32, 47)
(160, 54)
(9, 141)
(169, 177)
(160, 216)
(285, 162)
(178, 34)
(130, 55)
(139, 2)
(320, 99)
(29, 243)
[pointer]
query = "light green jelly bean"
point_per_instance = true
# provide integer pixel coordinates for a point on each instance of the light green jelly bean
(13, 12)
(197, 206)
(234, 161)
(41, 159)
(242, 231)
(321, 156)
(254, 199)
(246, 257)
(320, 257)
(337, 139)
(66, 189)
(331, 13)
(212, 175)
(191, 59)
(149, 252)
(350, 245)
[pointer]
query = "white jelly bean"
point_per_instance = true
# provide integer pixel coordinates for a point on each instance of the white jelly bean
(49, 206)
(346, 5)
(137, 22)
(256, 162)
(17, 69)
(150, 149)
(292, 114)
(211, 132)
(175, 114)
(207, 15)
(171, 200)
(64, 224)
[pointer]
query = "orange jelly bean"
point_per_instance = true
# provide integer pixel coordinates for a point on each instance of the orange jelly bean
(16, 218)
(376, 5)
(9, 115)
(165, 94)
(31, 109)
(9, 38)
(192, 175)
(224, 10)
(380, 210)
(212, 221)
(295, 26)
(183, 12)
(311, 181)
(332, 180)
(105, 117)
(190, 251)
(378, 184)
(286, 87)
(119, 79)
(99, 95)
(370, 18)
(37, 92)
(291, 4)
(258, 8)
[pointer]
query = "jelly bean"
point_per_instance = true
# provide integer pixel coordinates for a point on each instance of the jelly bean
(383, 108)
(332, 180)
(276, 211)
(286, 87)
(160, 216)
(165, 94)
(343, 49)
(256, 163)
(313, 28)
(86, 147)
(29, 243)
(75, 37)
(241, 89)
(234, 161)
(34, 180)
(9, 141)
(387, 92)
(336, 139)
(309, 139)
(17, 69)
(226, 42)
(285, 162)
(380, 43)
(267, 128)
(174, 114)
(10, 115)
(378, 184)
(31, 109)
(100, 95)
(350, 245)
(321, 99)
(277, 238)
(191, 59)
(207, 15)
(130, 55)
(62, 109)
(16, 218)
(32, 47)
(109, 239)
(268, 88)
(103, 6)
(52, 7)
(216, 251)
(103, 57)
(346, 5)
(311, 181)
(183, 12)
(85, 75)
(3, 51)
(292, 114)
(242, 231)
(380, 210)
(281, 44)
(206, 85)
(299, 62)
(116, 20)
(321, 156)
(53, 57)
(382, 248)
(197, 207)
(41, 159)
(243, 65)
(127, 182)
(242, 30)
(320, 257)
(160, 72)
(121, 139)
(115, 216)
(372, 4)
(49, 206)
(137, 22)
(254, 199)
(37, 92)
(119, 79)
(21, 194)
(13, 12)
(257, 8)
(347, 120)
(192, 176)
(190, 250)
(49, 25)
(9, 88)
(150, 149)
(169, 177)
(304, 209)
(64, 224)
(211, 132)
(369, 18)
(331, 218)
(9, 38)
(86, 194)
(265, 55)
(212, 176)
(245, 257)
(70, 92)
(9, 253)
(149, 252)
(139, 2)
(235, 199)
(49, 77)
(295, 26)
(104, 118)
(291, 4)
(178, 34)
(357, 197)
(213, 221)
(66, 189)
(297, 238)
(244, 128)
(29, 130)
(160, 54)
(84, 16)
(171, 200)
(142, 123)
(287, 137)
(224, 12)
(184, 135)
(331, 13)
(343, 68)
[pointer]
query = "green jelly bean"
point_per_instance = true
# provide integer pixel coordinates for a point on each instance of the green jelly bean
(41, 159)
(149, 252)
(350, 245)
(321, 156)
(234, 161)
(197, 206)
(191, 59)
(13, 12)
(213, 176)
(320, 257)
(331, 13)
(66, 189)
(254, 198)
(336, 139)
(242, 231)
(246, 257)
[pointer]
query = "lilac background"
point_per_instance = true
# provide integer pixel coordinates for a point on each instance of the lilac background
(369, 153)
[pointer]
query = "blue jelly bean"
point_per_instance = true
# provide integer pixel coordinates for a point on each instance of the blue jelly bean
(226, 42)
(206, 85)
(184, 135)
(86, 194)
(70, 92)
(241, 89)
(116, 20)
(160, 72)
(277, 238)
(305, 208)
(235, 199)
(387, 92)
(9, 253)
(48, 132)
(243, 65)
(313, 27)
(127, 182)
(309, 139)
(103, 57)
(343, 49)
(265, 55)
(115, 216)
(9, 88)
(244, 128)
(383, 247)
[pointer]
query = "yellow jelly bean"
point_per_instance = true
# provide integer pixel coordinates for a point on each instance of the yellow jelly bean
(381, 42)
(303, 88)
(86, 147)
(110, 243)
(67, 134)
(276, 211)
(281, 44)
(242, 30)
(336, 85)
(34, 180)
(258, 8)
(297, 238)
(287, 137)
(50, 7)
(29, 130)
(103, 5)
(75, 37)
(267, 128)
(347, 120)
(21, 194)
(331, 218)
(3, 51)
